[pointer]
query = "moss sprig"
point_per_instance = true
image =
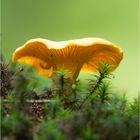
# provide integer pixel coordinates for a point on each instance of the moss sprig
(104, 72)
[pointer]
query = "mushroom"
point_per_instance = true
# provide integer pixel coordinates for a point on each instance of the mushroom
(77, 55)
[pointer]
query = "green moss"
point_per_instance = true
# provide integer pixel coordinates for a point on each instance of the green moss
(31, 109)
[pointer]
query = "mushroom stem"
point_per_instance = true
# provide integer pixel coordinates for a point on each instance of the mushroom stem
(77, 71)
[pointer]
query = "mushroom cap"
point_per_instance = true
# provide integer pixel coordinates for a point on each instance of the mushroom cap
(85, 54)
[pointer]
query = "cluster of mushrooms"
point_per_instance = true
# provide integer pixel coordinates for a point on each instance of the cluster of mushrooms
(77, 55)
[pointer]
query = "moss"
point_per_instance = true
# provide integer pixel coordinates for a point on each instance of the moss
(31, 111)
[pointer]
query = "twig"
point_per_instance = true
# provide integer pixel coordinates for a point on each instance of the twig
(38, 101)
(31, 101)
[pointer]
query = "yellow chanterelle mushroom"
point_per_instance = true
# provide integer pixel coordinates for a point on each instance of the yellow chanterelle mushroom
(74, 55)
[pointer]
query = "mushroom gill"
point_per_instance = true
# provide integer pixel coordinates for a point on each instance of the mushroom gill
(74, 55)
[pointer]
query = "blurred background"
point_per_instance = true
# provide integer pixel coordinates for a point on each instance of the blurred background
(114, 20)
